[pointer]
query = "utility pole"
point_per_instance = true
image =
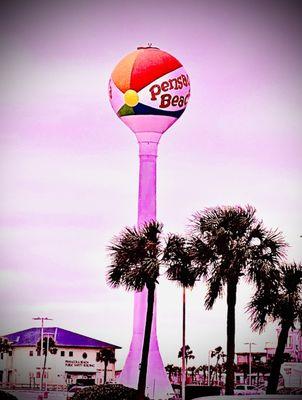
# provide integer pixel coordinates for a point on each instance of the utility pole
(42, 319)
(250, 360)
(45, 358)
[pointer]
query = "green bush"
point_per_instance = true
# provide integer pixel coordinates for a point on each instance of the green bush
(106, 392)
(6, 396)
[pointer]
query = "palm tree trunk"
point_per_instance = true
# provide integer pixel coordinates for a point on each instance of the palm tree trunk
(277, 361)
(145, 352)
(230, 368)
(105, 371)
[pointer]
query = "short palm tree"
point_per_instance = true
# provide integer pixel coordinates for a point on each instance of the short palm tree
(281, 301)
(188, 354)
(5, 346)
(49, 346)
(135, 264)
(169, 369)
(228, 243)
(107, 357)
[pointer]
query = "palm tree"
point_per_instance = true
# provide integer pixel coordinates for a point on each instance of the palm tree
(204, 369)
(107, 357)
(49, 345)
(228, 243)
(188, 354)
(5, 346)
(169, 369)
(135, 262)
(177, 256)
(177, 372)
(193, 373)
(219, 354)
(279, 300)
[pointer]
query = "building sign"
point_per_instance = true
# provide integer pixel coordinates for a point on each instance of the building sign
(292, 374)
(77, 363)
(242, 359)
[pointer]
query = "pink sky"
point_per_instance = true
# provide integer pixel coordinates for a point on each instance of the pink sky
(69, 167)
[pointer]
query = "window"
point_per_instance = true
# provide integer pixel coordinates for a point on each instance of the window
(250, 387)
(71, 354)
(84, 355)
(240, 387)
(10, 353)
(31, 353)
(38, 375)
(62, 353)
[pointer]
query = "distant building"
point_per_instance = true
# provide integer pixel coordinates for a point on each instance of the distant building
(74, 360)
(293, 347)
(244, 357)
(243, 360)
(292, 352)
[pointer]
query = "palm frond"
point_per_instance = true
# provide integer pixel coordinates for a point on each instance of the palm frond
(215, 290)
(178, 258)
(135, 257)
(280, 300)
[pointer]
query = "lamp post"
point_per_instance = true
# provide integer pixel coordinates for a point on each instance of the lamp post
(44, 367)
(183, 352)
(42, 319)
(250, 360)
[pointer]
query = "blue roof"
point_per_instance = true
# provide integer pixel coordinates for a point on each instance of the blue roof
(62, 337)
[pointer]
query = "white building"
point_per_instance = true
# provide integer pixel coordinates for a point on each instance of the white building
(293, 346)
(74, 360)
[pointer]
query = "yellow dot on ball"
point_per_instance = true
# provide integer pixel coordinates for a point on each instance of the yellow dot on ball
(131, 98)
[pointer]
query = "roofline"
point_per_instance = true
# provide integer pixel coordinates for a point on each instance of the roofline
(106, 344)
(69, 346)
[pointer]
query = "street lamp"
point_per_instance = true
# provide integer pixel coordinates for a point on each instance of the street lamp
(42, 319)
(183, 352)
(250, 360)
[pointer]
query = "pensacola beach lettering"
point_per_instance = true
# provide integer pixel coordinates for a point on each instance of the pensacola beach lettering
(78, 363)
(166, 99)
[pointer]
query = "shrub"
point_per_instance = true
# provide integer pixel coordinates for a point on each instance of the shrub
(6, 396)
(107, 392)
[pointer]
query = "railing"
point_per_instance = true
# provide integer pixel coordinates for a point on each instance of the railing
(26, 386)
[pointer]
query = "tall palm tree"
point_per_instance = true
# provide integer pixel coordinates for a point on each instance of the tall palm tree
(135, 263)
(280, 300)
(107, 357)
(228, 243)
(177, 258)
